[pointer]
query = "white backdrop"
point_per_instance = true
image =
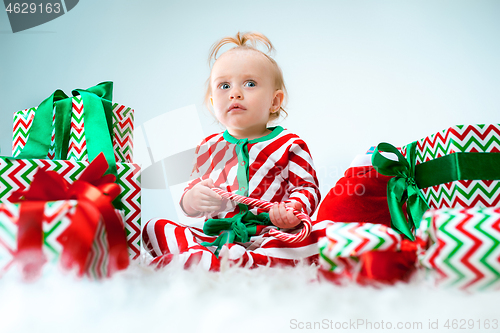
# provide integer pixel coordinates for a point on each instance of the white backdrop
(357, 72)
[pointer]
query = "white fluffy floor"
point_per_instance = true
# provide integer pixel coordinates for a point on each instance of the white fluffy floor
(235, 300)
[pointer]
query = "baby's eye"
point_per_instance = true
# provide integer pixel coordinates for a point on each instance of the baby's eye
(224, 86)
(250, 84)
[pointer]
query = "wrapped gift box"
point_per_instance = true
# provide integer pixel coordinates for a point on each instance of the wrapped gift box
(17, 174)
(56, 218)
(463, 248)
(344, 246)
(458, 247)
(457, 167)
(461, 139)
(123, 127)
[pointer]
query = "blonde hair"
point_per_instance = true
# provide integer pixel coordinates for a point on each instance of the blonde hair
(248, 41)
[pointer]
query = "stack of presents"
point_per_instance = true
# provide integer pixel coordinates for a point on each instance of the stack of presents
(71, 193)
(430, 207)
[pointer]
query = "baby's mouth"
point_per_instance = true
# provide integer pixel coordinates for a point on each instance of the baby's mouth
(236, 107)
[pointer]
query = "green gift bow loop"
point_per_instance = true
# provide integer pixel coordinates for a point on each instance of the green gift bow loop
(401, 188)
(98, 122)
(238, 228)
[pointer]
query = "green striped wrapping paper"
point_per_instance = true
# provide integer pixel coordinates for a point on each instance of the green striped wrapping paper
(57, 217)
(461, 139)
(463, 247)
(123, 128)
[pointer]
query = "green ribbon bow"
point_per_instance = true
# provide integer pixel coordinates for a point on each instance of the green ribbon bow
(98, 122)
(409, 178)
(238, 228)
(401, 188)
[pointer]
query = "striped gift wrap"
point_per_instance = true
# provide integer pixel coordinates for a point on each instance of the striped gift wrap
(463, 247)
(461, 139)
(457, 247)
(343, 243)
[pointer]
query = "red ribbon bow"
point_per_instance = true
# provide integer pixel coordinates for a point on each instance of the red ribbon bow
(95, 193)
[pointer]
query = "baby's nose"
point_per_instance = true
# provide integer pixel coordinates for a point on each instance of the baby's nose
(235, 94)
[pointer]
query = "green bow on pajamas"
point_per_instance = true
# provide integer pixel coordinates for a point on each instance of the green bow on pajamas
(238, 228)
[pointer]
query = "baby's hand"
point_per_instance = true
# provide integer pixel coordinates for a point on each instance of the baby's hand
(201, 199)
(282, 218)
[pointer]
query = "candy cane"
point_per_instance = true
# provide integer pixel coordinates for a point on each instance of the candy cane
(286, 237)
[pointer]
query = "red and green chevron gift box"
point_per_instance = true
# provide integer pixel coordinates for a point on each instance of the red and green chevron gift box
(464, 247)
(345, 242)
(17, 174)
(56, 219)
(123, 128)
(457, 247)
(461, 139)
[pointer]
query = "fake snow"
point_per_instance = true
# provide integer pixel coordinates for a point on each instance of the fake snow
(172, 299)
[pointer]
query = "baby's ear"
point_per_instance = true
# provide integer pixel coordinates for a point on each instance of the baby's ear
(211, 101)
(279, 95)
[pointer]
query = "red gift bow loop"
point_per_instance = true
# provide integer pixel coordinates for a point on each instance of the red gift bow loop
(118, 252)
(95, 194)
(283, 236)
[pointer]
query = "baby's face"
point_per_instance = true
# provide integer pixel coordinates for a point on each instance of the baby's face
(244, 92)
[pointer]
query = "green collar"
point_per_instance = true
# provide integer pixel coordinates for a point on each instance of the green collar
(275, 131)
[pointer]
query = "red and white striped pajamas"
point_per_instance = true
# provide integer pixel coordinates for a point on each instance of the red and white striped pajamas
(274, 168)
